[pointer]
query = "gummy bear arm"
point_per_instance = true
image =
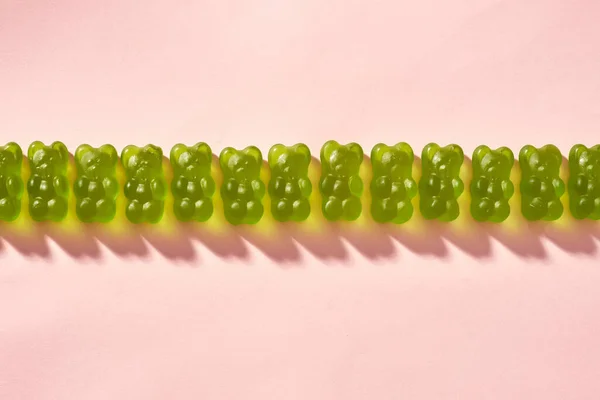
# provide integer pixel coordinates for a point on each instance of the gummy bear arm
(305, 186)
(356, 185)
(259, 188)
(208, 186)
(61, 185)
(411, 187)
(458, 186)
(508, 189)
(111, 186)
(158, 188)
(559, 186)
(14, 185)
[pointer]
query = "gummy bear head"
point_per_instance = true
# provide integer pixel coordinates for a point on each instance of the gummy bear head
(142, 162)
(48, 160)
(443, 161)
(394, 161)
(96, 162)
(544, 162)
(585, 160)
(292, 161)
(493, 163)
(193, 161)
(11, 157)
(241, 164)
(341, 160)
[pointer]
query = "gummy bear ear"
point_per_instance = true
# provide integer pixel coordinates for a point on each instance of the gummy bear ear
(329, 147)
(255, 153)
(110, 150)
(176, 152)
(457, 151)
(225, 155)
(34, 148)
(204, 150)
(153, 150)
(303, 149)
(63, 153)
(576, 152)
(479, 153)
(525, 155)
(127, 153)
(406, 149)
(508, 153)
(356, 149)
(275, 152)
(15, 150)
(428, 152)
(553, 151)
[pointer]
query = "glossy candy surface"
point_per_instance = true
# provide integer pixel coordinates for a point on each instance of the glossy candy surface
(48, 186)
(341, 185)
(491, 188)
(11, 183)
(541, 186)
(289, 187)
(584, 182)
(242, 190)
(393, 186)
(145, 185)
(96, 186)
(193, 186)
(440, 185)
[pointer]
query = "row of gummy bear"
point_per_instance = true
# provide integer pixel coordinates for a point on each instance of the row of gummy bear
(392, 188)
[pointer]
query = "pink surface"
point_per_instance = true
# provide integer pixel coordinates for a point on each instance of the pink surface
(367, 316)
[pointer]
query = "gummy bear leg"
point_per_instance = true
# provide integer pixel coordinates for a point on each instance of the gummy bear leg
(534, 209)
(404, 213)
(85, 210)
(183, 209)
(105, 210)
(153, 211)
(352, 208)
(281, 209)
(254, 211)
(501, 211)
(581, 207)
(8, 211)
(482, 209)
(432, 207)
(38, 209)
(332, 209)
(383, 210)
(452, 211)
(301, 209)
(203, 209)
(555, 210)
(57, 208)
(595, 215)
(134, 212)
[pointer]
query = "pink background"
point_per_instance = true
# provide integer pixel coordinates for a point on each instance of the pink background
(367, 313)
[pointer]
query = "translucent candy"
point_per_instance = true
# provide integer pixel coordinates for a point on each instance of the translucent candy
(584, 182)
(242, 190)
(341, 185)
(289, 187)
(393, 186)
(48, 186)
(11, 183)
(440, 185)
(491, 188)
(145, 185)
(193, 186)
(541, 186)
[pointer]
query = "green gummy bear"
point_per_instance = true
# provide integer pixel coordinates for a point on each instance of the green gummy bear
(96, 187)
(440, 185)
(584, 182)
(145, 185)
(289, 187)
(193, 186)
(393, 186)
(242, 190)
(48, 185)
(491, 188)
(541, 186)
(11, 183)
(341, 185)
